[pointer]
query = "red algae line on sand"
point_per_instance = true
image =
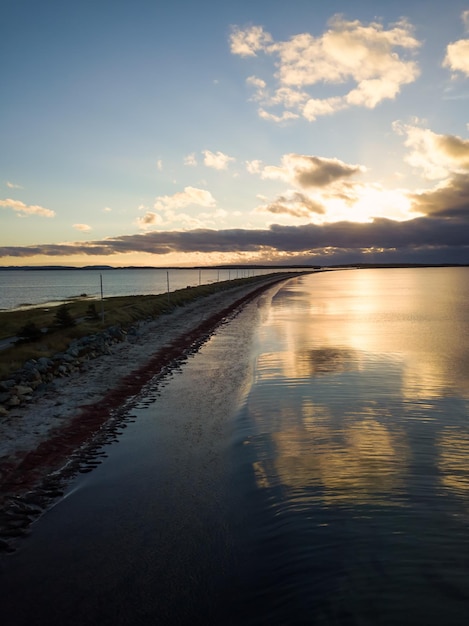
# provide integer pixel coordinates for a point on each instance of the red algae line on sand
(26, 471)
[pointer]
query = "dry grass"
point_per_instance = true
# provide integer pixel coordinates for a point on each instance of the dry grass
(122, 311)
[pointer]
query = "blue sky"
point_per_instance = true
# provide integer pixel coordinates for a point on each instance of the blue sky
(181, 133)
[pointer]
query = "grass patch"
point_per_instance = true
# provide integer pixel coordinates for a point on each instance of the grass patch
(122, 311)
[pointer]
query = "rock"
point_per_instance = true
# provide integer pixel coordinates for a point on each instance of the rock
(43, 364)
(63, 356)
(22, 390)
(32, 374)
(5, 385)
(14, 401)
(3, 411)
(29, 365)
(4, 397)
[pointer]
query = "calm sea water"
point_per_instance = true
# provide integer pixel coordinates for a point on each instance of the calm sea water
(31, 287)
(309, 465)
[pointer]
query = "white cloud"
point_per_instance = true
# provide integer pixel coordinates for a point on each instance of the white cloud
(107, 209)
(13, 185)
(457, 53)
(259, 85)
(286, 115)
(315, 107)
(83, 227)
(190, 160)
(253, 167)
(465, 19)
(457, 56)
(438, 156)
(349, 51)
(217, 160)
(249, 41)
(24, 209)
(218, 215)
(181, 199)
(159, 165)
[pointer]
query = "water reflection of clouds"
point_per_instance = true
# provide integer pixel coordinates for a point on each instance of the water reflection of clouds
(307, 363)
(453, 462)
(360, 461)
(360, 386)
(394, 317)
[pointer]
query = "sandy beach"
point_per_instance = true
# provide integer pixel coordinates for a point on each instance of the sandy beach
(59, 432)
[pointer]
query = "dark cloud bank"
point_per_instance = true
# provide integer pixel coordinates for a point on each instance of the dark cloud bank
(423, 240)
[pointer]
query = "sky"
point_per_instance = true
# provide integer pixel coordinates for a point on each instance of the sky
(199, 133)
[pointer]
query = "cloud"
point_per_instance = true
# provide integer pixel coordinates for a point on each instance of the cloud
(293, 204)
(315, 108)
(190, 160)
(423, 235)
(13, 185)
(247, 42)
(465, 19)
(217, 160)
(107, 209)
(457, 56)
(181, 199)
(367, 55)
(83, 227)
(286, 115)
(149, 219)
(438, 156)
(159, 165)
(254, 167)
(449, 199)
(24, 209)
(259, 85)
(310, 171)
(457, 53)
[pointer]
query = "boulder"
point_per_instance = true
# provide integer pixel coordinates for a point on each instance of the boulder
(14, 401)
(22, 390)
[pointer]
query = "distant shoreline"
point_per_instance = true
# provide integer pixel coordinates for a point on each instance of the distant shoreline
(227, 267)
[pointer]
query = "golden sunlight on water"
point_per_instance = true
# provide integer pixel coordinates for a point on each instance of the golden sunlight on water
(453, 448)
(362, 465)
(358, 440)
(347, 362)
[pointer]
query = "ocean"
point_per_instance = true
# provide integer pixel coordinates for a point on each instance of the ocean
(21, 288)
(308, 465)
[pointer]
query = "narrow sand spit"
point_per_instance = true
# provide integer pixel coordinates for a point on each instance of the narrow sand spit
(39, 439)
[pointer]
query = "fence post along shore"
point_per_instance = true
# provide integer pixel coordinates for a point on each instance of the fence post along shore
(102, 298)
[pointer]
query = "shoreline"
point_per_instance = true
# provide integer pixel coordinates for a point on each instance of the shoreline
(44, 443)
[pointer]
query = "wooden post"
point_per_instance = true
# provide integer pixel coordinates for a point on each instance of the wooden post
(102, 299)
(167, 283)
